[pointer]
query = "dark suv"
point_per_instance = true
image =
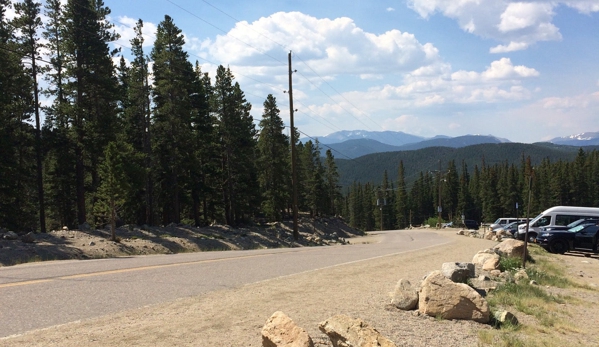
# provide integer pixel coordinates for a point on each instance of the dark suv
(584, 236)
(471, 224)
(571, 225)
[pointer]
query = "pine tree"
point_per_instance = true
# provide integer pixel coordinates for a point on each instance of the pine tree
(579, 180)
(312, 182)
(355, 206)
(116, 178)
(401, 200)
(29, 23)
(204, 164)
(465, 204)
(331, 176)
(60, 157)
(17, 145)
(235, 129)
(136, 118)
(247, 193)
(171, 131)
(274, 161)
(450, 191)
(92, 91)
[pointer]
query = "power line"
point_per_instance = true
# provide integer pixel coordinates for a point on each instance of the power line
(225, 32)
(332, 149)
(283, 46)
(205, 60)
(213, 63)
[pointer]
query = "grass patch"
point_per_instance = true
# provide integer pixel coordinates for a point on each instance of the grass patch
(526, 298)
(552, 321)
(510, 264)
(497, 338)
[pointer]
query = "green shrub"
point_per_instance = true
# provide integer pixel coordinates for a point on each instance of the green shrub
(433, 221)
(510, 264)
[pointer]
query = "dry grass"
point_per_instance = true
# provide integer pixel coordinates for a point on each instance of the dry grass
(553, 312)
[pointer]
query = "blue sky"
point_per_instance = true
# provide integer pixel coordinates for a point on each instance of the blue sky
(522, 70)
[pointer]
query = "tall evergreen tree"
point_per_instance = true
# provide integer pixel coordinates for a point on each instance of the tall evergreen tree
(235, 129)
(465, 204)
(28, 22)
(450, 191)
(171, 133)
(136, 118)
(274, 161)
(92, 91)
(331, 177)
(401, 200)
(60, 157)
(579, 180)
(17, 181)
(312, 182)
(204, 164)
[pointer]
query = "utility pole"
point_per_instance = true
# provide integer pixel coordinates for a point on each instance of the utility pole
(527, 221)
(439, 206)
(381, 202)
(294, 182)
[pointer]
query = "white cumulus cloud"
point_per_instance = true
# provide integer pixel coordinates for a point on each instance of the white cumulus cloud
(518, 24)
(329, 46)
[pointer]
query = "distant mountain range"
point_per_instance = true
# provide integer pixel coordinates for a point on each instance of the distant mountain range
(356, 143)
(584, 139)
(371, 168)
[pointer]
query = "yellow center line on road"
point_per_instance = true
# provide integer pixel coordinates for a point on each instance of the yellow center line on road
(24, 283)
(111, 272)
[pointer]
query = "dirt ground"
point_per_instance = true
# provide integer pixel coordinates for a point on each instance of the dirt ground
(234, 317)
(175, 238)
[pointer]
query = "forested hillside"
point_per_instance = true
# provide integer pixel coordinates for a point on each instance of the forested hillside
(154, 142)
(370, 168)
(478, 182)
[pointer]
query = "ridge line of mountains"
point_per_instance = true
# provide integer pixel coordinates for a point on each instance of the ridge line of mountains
(352, 144)
(365, 159)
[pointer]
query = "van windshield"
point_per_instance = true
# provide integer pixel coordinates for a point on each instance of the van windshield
(542, 221)
(532, 221)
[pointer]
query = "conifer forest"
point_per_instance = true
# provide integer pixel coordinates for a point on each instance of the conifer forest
(155, 140)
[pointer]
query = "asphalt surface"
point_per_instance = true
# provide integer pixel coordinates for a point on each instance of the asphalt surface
(39, 295)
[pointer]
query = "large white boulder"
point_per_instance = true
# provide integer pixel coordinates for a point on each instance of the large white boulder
(510, 248)
(482, 257)
(441, 297)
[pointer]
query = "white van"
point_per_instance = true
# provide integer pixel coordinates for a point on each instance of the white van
(501, 222)
(557, 215)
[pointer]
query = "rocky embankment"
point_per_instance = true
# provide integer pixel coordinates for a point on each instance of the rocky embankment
(456, 292)
(89, 243)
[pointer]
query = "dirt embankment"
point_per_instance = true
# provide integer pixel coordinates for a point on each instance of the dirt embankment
(174, 238)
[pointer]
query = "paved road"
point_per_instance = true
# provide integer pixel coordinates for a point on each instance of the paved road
(39, 295)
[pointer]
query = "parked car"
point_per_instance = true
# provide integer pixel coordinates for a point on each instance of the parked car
(501, 222)
(510, 228)
(471, 224)
(581, 237)
(571, 225)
